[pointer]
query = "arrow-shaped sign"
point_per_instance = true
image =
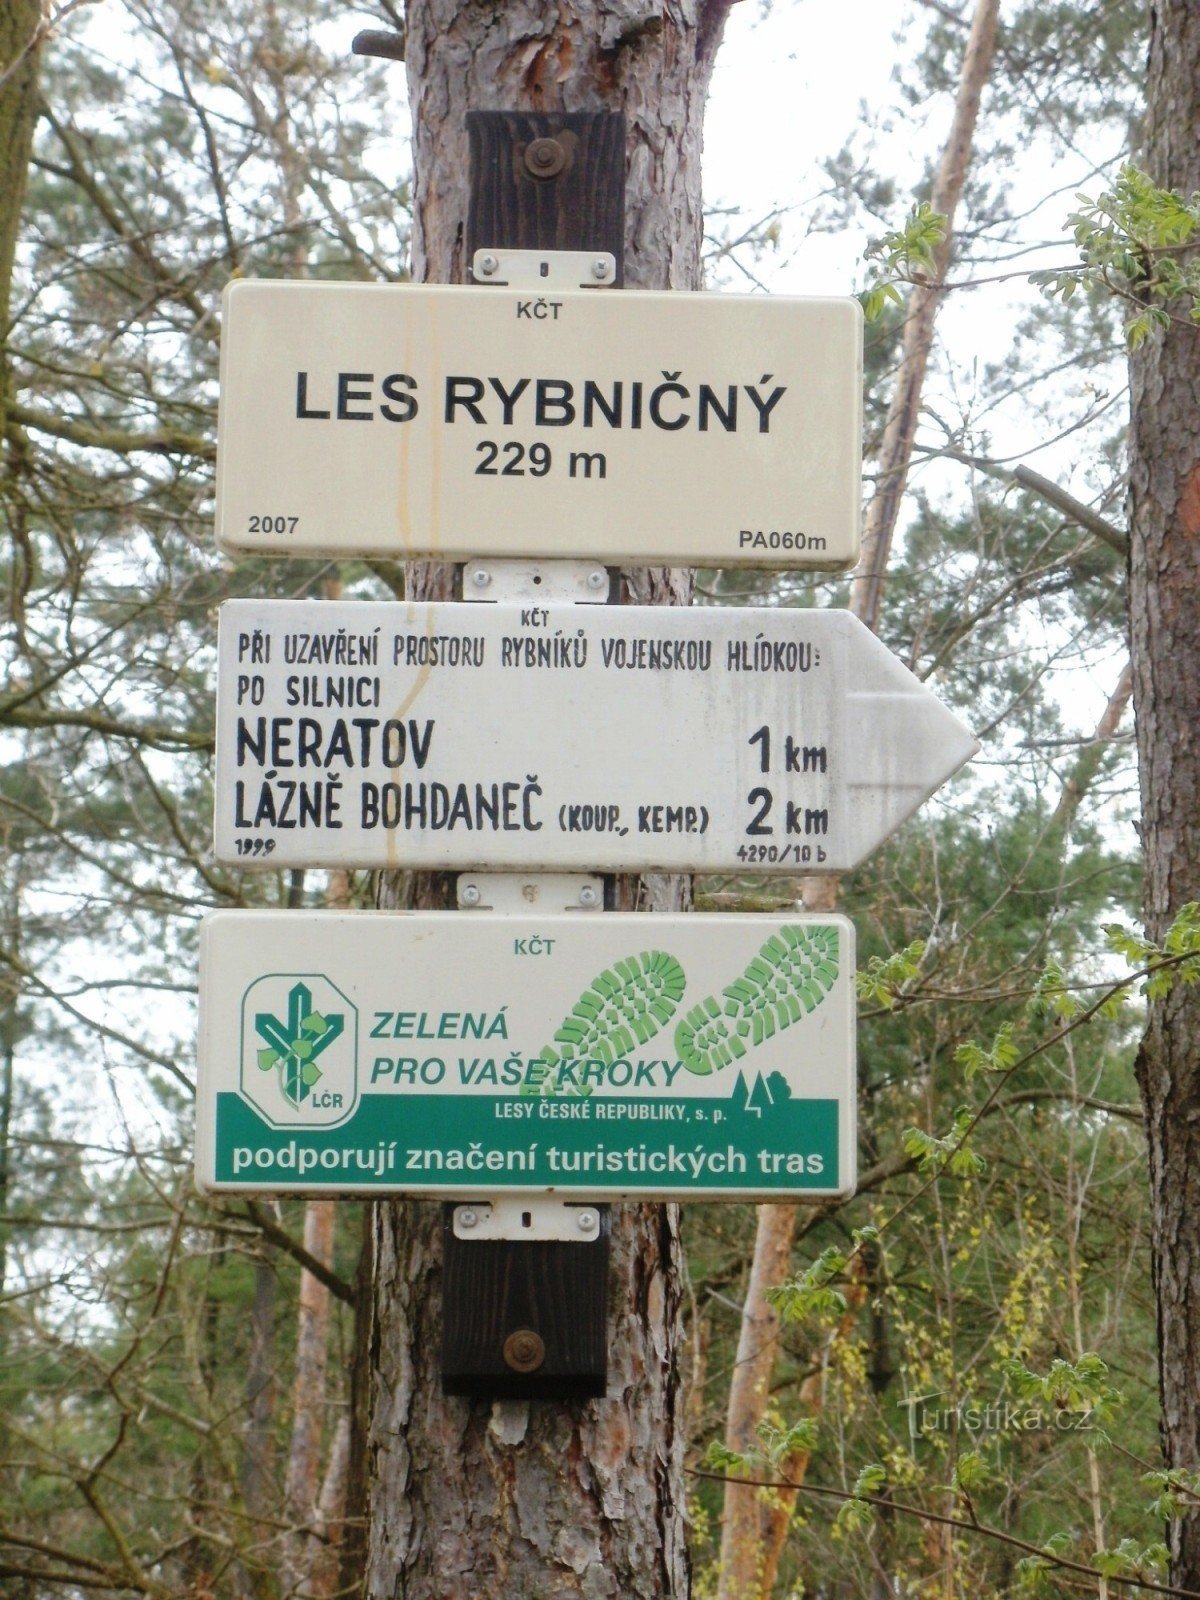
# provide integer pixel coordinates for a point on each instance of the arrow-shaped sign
(582, 737)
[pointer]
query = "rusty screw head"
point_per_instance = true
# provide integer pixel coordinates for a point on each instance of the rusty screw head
(544, 158)
(524, 1350)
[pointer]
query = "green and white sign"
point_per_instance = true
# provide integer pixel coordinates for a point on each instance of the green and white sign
(451, 421)
(590, 1056)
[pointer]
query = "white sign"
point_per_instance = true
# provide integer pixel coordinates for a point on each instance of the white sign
(587, 1055)
(625, 426)
(607, 738)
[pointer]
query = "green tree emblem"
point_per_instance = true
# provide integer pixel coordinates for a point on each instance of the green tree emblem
(294, 1045)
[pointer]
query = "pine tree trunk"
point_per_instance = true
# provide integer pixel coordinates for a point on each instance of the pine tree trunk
(19, 23)
(1164, 503)
(517, 1501)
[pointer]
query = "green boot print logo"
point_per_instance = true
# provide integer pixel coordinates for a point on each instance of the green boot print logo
(623, 1007)
(788, 978)
(627, 1004)
(293, 1046)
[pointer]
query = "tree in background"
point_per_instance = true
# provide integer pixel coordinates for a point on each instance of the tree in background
(1164, 576)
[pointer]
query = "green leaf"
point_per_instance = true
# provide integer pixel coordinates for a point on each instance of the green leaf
(1050, 998)
(780, 1443)
(1178, 1492)
(872, 1480)
(719, 1457)
(884, 977)
(949, 1154)
(811, 1293)
(858, 1514)
(1081, 1386)
(971, 1473)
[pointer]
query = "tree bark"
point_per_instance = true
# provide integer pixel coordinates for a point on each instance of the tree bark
(542, 1499)
(1164, 507)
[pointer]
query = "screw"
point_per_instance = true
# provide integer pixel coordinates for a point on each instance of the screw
(597, 579)
(544, 158)
(588, 896)
(466, 1217)
(587, 1222)
(524, 1350)
(468, 895)
(488, 265)
(480, 578)
(600, 267)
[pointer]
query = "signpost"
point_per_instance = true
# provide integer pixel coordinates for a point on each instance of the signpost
(586, 1056)
(475, 736)
(506, 1061)
(451, 422)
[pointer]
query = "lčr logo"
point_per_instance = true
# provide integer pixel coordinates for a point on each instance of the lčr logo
(293, 1046)
(299, 1050)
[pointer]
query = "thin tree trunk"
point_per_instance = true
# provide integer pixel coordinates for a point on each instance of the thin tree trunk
(309, 1404)
(901, 427)
(1091, 756)
(8, 1036)
(495, 1502)
(19, 20)
(329, 1529)
(743, 1555)
(750, 1539)
(10, 995)
(777, 1516)
(1164, 525)
(1076, 1196)
(258, 1458)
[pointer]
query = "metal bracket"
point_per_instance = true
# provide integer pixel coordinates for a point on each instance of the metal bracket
(545, 269)
(572, 582)
(536, 582)
(531, 1218)
(515, 892)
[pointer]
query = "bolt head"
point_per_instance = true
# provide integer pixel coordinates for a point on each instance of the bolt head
(466, 1217)
(597, 579)
(587, 1222)
(524, 1350)
(481, 579)
(588, 896)
(488, 265)
(469, 895)
(544, 158)
(600, 267)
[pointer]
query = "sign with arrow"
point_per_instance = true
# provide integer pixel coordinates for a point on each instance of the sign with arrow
(470, 736)
(451, 422)
(587, 1055)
